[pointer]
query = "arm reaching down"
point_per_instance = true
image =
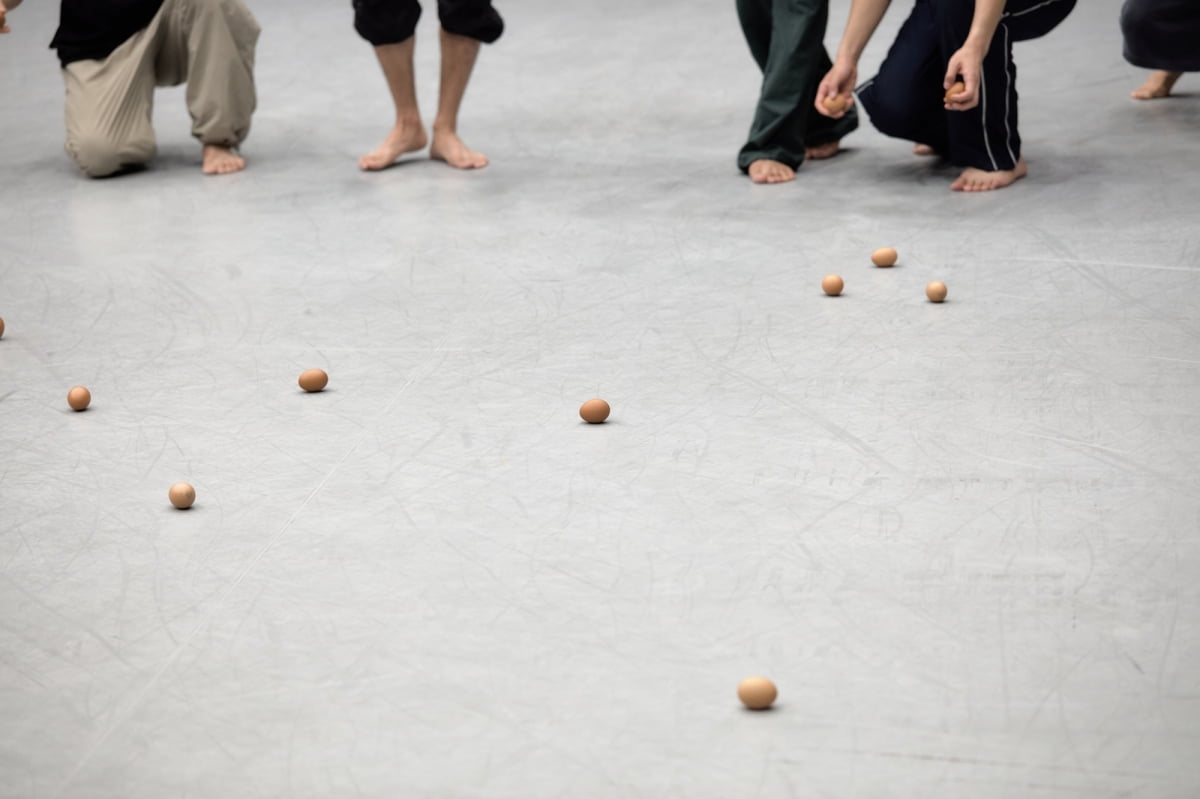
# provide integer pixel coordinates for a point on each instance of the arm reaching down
(865, 16)
(967, 62)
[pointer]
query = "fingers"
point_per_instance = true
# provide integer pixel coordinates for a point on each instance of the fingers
(964, 95)
(834, 106)
(826, 92)
(962, 79)
(951, 73)
(835, 94)
(970, 97)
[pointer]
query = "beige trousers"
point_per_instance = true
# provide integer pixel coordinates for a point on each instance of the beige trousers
(209, 44)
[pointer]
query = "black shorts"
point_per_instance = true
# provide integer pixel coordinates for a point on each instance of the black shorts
(393, 21)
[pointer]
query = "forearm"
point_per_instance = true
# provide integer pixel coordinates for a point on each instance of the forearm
(983, 25)
(865, 16)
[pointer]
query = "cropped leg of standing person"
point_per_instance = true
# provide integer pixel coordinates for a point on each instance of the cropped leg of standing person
(207, 43)
(786, 38)
(390, 26)
(1163, 35)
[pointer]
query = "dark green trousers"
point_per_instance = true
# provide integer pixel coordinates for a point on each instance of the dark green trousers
(787, 39)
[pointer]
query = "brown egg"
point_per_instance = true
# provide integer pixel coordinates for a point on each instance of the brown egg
(957, 88)
(884, 256)
(594, 411)
(832, 285)
(79, 398)
(757, 693)
(312, 380)
(182, 495)
(936, 291)
(835, 104)
(1, 328)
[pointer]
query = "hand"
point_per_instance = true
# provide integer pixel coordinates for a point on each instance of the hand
(967, 63)
(839, 82)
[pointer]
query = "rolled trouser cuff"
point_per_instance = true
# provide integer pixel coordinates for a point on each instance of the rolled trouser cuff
(383, 22)
(475, 19)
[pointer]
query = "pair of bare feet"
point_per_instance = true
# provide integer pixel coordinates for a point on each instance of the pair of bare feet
(408, 136)
(973, 179)
(405, 137)
(766, 170)
(1159, 84)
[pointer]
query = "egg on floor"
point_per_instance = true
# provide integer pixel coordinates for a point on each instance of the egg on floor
(832, 285)
(182, 495)
(757, 693)
(313, 380)
(936, 291)
(884, 256)
(79, 398)
(594, 411)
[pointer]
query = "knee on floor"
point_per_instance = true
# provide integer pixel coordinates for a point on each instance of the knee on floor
(99, 156)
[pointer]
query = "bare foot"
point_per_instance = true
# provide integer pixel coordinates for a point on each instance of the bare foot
(221, 160)
(827, 150)
(1159, 84)
(407, 136)
(451, 149)
(973, 179)
(923, 149)
(764, 170)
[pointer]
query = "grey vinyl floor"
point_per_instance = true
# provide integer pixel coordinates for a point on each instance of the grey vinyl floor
(963, 539)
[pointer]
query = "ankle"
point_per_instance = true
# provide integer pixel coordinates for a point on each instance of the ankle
(445, 126)
(408, 120)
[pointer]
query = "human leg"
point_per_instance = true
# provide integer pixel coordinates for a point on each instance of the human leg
(109, 104)
(390, 26)
(755, 19)
(458, 59)
(786, 40)
(466, 24)
(1161, 35)
(986, 139)
(209, 44)
(904, 100)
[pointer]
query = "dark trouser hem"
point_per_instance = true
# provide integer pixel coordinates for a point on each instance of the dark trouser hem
(1162, 34)
(906, 99)
(794, 156)
(383, 22)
